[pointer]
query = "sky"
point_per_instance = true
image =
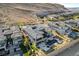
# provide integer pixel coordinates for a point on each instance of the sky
(70, 4)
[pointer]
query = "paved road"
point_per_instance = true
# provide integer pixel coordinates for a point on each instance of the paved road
(67, 50)
(72, 51)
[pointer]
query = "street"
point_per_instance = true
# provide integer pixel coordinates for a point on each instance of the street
(72, 51)
(72, 48)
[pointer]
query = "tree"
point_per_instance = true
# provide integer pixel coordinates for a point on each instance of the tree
(34, 49)
(26, 41)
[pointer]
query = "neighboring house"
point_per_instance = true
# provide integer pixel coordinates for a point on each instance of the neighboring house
(78, 24)
(8, 34)
(73, 35)
(17, 38)
(53, 16)
(10, 41)
(33, 35)
(15, 29)
(2, 45)
(64, 30)
(42, 14)
(39, 34)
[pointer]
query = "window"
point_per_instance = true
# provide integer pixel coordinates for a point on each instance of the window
(39, 39)
(34, 27)
(2, 43)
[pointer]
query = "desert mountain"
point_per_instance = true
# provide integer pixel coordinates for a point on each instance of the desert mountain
(15, 12)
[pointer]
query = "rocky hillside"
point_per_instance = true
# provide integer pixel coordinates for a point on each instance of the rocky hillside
(28, 10)
(33, 8)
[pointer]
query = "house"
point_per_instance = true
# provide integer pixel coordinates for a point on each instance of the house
(8, 34)
(17, 38)
(53, 16)
(10, 39)
(39, 34)
(49, 42)
(2, 45)
(5, 27)
(73, 35)
(78, 24)
(64, 30)
(15, 29)
(42, 14)
(33, 35)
